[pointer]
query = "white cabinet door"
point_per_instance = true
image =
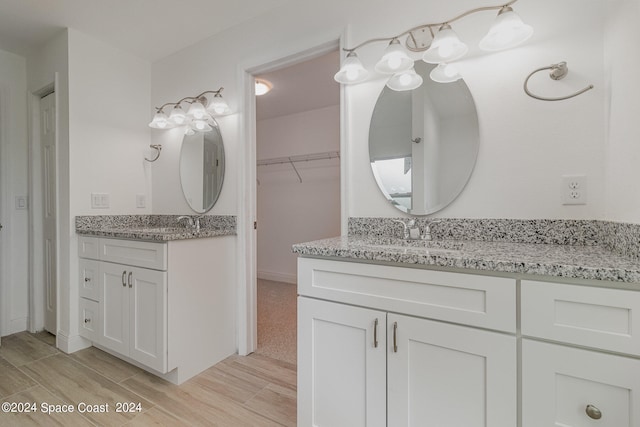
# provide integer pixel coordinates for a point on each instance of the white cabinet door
(568, 387)
(114, 306)
(443, 375)
(147, 314)
(341, 372)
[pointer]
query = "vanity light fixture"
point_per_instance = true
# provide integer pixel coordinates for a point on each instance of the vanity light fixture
(440, 45)
(201, 108)
(198, 118)
(263, 86)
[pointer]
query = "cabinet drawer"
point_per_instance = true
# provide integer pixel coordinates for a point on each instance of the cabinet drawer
(90, 279)
(89, 319)
(88, 247)
(594, 317)
(131, 252)
(483, 301)
(564, 386)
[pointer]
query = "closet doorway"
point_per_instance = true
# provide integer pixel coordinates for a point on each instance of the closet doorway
(298, 188)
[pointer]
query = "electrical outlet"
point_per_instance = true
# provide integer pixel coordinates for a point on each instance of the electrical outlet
(574, 189)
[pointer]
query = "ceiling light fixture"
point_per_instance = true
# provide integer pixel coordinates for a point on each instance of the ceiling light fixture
(198, 118)
(441, 47)
(263, 87)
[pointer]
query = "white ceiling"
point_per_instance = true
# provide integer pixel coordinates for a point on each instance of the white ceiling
(150, 29)
(304, 86)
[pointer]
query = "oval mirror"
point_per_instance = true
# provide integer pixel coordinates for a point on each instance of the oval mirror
(202, 168)
(423, 143)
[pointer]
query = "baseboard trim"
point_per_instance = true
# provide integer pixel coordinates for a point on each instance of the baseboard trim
(16, 325)
(71, 344)
(278, 277)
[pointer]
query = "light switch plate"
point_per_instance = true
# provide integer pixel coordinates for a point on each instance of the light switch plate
(141, 201)
(100, 201)
(22, 202)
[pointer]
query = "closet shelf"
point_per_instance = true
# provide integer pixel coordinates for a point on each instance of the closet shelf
(301, 158)
(292, 160)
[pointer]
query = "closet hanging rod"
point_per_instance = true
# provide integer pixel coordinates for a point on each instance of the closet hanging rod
(300, 158)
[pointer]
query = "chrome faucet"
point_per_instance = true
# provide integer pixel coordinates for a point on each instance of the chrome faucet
(410, 230)
(427, 231)
(194, 223)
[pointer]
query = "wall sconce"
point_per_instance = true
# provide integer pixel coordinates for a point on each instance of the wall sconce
(198, 117)
(441, 47)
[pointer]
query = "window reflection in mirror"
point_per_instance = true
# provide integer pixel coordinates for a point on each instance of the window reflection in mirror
(423, 177)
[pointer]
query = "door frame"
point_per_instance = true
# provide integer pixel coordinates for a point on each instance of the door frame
(36, 266)
(247, 175)
(5, 216)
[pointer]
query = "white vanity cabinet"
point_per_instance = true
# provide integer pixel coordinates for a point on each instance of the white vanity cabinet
(168, 307)
(378, 353)
(131, 300)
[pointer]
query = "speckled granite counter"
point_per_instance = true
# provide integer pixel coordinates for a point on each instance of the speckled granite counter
(153, 227)
(578, 262)
(591, 250)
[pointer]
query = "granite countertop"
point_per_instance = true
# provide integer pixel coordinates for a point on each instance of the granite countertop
(157, 228)
(160, 234)
(592, 262)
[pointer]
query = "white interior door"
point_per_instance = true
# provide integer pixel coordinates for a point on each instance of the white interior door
(47, 136)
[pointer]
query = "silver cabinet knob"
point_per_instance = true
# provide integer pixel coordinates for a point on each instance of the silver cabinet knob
(87, 320)
(87, 279)
(593, 412)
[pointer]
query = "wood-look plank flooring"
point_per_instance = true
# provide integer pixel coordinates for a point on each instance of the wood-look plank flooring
(251, 391)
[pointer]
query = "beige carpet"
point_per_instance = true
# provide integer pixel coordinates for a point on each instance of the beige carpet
(277, 320)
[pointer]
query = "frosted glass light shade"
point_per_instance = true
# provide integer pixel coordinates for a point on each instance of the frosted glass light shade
(405, 80)
(395, 59)
(262, 87)
(197, 111)
(352, 70)
(445, 73)
(160, 121)
(218, 106)
(507, 31)
(178, 116)
(201, 126)
(446, 47)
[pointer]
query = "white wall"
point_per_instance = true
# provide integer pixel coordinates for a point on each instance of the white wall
(622, 62)
(526, 145)
(14, 181)
(103, 111)
(290, 211)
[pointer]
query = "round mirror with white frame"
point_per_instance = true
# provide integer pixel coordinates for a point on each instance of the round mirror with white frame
(202, 168)
(423, 143)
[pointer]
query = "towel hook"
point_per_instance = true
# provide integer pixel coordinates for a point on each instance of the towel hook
(558, 71)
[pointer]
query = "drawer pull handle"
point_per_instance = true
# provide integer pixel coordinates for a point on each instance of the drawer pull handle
(87, 320)
(375, 334)
(593, 412)
(395, 335)
(87, 279)
(124, 273)
(129, 279)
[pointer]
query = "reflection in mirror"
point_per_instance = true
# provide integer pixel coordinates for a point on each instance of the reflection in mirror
(202, 168)
(423, 143)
